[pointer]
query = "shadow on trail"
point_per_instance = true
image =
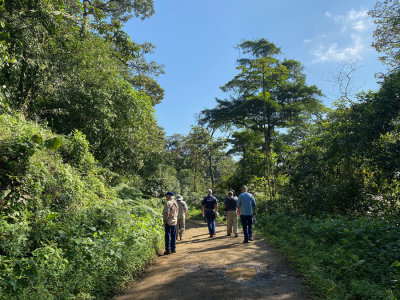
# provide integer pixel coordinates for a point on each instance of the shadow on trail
(197, 270)
(214, 248)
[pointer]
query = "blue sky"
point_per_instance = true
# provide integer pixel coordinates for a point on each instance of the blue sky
(196, 42)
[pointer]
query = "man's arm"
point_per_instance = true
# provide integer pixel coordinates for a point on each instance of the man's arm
(202, 210)
(165, 213)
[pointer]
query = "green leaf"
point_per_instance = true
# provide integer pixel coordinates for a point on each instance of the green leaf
(396, 263)
(52, 216)
(37, 138)
(53, 144)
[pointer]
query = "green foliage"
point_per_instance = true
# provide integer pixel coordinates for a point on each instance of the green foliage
(385, 14)
(340, 258)
(199, 161)
(70, 64)
(63, 232)
(349, 163)
(267, 94)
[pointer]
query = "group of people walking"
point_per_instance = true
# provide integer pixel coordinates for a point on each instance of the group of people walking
(242, 206)
(175, 213)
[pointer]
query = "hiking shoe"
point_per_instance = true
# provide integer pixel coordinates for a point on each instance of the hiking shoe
(167, 252)
(236, 235)
(245, 242)
(173, 251)
(210, 236)
(228, 234)
(250, 239)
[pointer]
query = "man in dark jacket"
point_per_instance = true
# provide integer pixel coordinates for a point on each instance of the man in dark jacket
(209, 206)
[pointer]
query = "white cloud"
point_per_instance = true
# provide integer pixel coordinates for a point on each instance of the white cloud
(334, 53)
(306, 41)
(348, 41)
(355, 20)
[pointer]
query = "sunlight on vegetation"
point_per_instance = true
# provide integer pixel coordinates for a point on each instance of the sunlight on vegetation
(84, 165)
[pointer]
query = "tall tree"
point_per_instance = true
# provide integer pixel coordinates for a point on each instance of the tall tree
(56, 74)
(387, 33)
(267, 93)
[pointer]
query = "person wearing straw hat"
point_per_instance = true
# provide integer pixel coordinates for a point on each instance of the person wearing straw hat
(182, 214)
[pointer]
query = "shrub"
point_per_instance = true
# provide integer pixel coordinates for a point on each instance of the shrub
(340, 258)
(64, 233)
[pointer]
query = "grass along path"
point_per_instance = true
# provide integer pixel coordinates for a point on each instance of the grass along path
(218, 268)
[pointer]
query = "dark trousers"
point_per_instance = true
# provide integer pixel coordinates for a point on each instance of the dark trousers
(210, 220)
(170, 237)
(247, 224)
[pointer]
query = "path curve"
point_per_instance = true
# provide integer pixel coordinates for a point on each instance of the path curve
(198, 270)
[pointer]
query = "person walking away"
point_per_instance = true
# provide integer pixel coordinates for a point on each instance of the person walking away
(246, 204)
(231, 215)
(182, 214)
(170, 216)
(234, 195)
(209, 206)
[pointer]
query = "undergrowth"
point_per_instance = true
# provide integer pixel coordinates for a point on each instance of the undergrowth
(340, 258)
(64, 232)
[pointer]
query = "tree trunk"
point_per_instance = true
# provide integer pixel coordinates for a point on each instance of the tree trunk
(84, 19)
(267, 130)
(211, 171)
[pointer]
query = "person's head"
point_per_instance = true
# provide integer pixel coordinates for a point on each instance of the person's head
(169, 195)
(233, 191)
(209, 191)
(178, 198)
(230, 194)
(244, 189)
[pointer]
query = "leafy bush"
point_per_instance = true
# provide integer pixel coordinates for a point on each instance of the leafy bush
(340, 258)
(63, 232)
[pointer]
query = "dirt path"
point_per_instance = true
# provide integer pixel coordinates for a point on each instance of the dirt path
(201, 266)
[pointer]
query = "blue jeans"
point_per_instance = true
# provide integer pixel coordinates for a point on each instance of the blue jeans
(210, 220)
(170, 237)
(247, 224)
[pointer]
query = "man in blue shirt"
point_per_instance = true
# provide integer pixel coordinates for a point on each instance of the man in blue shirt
(208, 205)
(246, 204)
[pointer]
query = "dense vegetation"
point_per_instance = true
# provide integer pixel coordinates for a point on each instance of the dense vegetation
(64, 233)
(77, 129)
(82, 159)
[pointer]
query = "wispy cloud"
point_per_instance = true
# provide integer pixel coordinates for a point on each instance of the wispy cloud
(352, 27)
(333, 53)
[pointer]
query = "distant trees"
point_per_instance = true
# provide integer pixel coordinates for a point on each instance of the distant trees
(200, 160)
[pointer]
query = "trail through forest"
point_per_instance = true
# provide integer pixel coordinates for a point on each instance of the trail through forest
(218, 268)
